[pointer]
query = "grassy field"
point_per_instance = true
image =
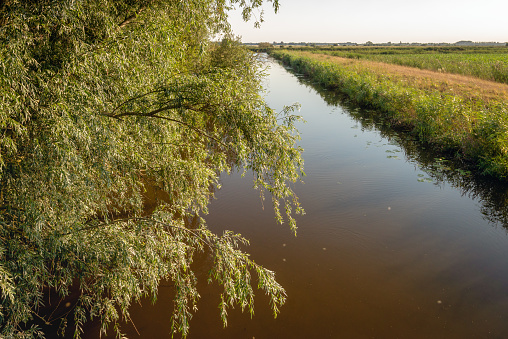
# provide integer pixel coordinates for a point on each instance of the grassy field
(484, 65)
(463, 116)
(489, 63)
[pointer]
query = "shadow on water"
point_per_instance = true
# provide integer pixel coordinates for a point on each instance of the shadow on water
(440, 168)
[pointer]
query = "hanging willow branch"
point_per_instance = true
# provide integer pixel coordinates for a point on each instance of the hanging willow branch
(153, 114)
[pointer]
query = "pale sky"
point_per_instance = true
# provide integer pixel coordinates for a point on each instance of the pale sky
(379, 21)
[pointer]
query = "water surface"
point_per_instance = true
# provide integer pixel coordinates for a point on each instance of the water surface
(393, 245)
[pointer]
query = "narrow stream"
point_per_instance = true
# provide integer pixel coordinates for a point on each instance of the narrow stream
(394, 243)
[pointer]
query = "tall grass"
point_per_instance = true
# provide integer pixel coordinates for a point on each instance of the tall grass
(470, 130)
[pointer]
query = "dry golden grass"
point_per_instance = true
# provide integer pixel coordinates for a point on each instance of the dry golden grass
(465, 86)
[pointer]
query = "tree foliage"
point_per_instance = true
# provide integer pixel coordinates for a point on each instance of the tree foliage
(116, 119)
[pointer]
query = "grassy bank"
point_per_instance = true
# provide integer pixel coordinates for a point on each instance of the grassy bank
(463, 116)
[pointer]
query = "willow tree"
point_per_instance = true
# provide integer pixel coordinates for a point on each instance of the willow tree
(116, 119)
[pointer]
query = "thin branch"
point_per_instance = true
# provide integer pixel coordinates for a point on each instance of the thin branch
(147, 114)
(134, 98)
(134, 325)
(59, 302)
(41, 318)
(131, 18)
(193, 128)
(153, 114)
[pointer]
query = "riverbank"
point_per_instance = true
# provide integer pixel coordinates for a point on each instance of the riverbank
(465, 117)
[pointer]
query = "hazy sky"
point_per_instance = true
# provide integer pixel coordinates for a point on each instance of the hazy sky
(379, 21)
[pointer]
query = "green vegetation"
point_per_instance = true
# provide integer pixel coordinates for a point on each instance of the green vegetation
(489, 63)
(470, 124)
(481, 65)
(492, 67)
(116, 119)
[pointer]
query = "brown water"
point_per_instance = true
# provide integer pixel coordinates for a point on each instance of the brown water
(393, 245)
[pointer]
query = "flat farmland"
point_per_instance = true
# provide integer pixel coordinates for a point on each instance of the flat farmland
(484, 63)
